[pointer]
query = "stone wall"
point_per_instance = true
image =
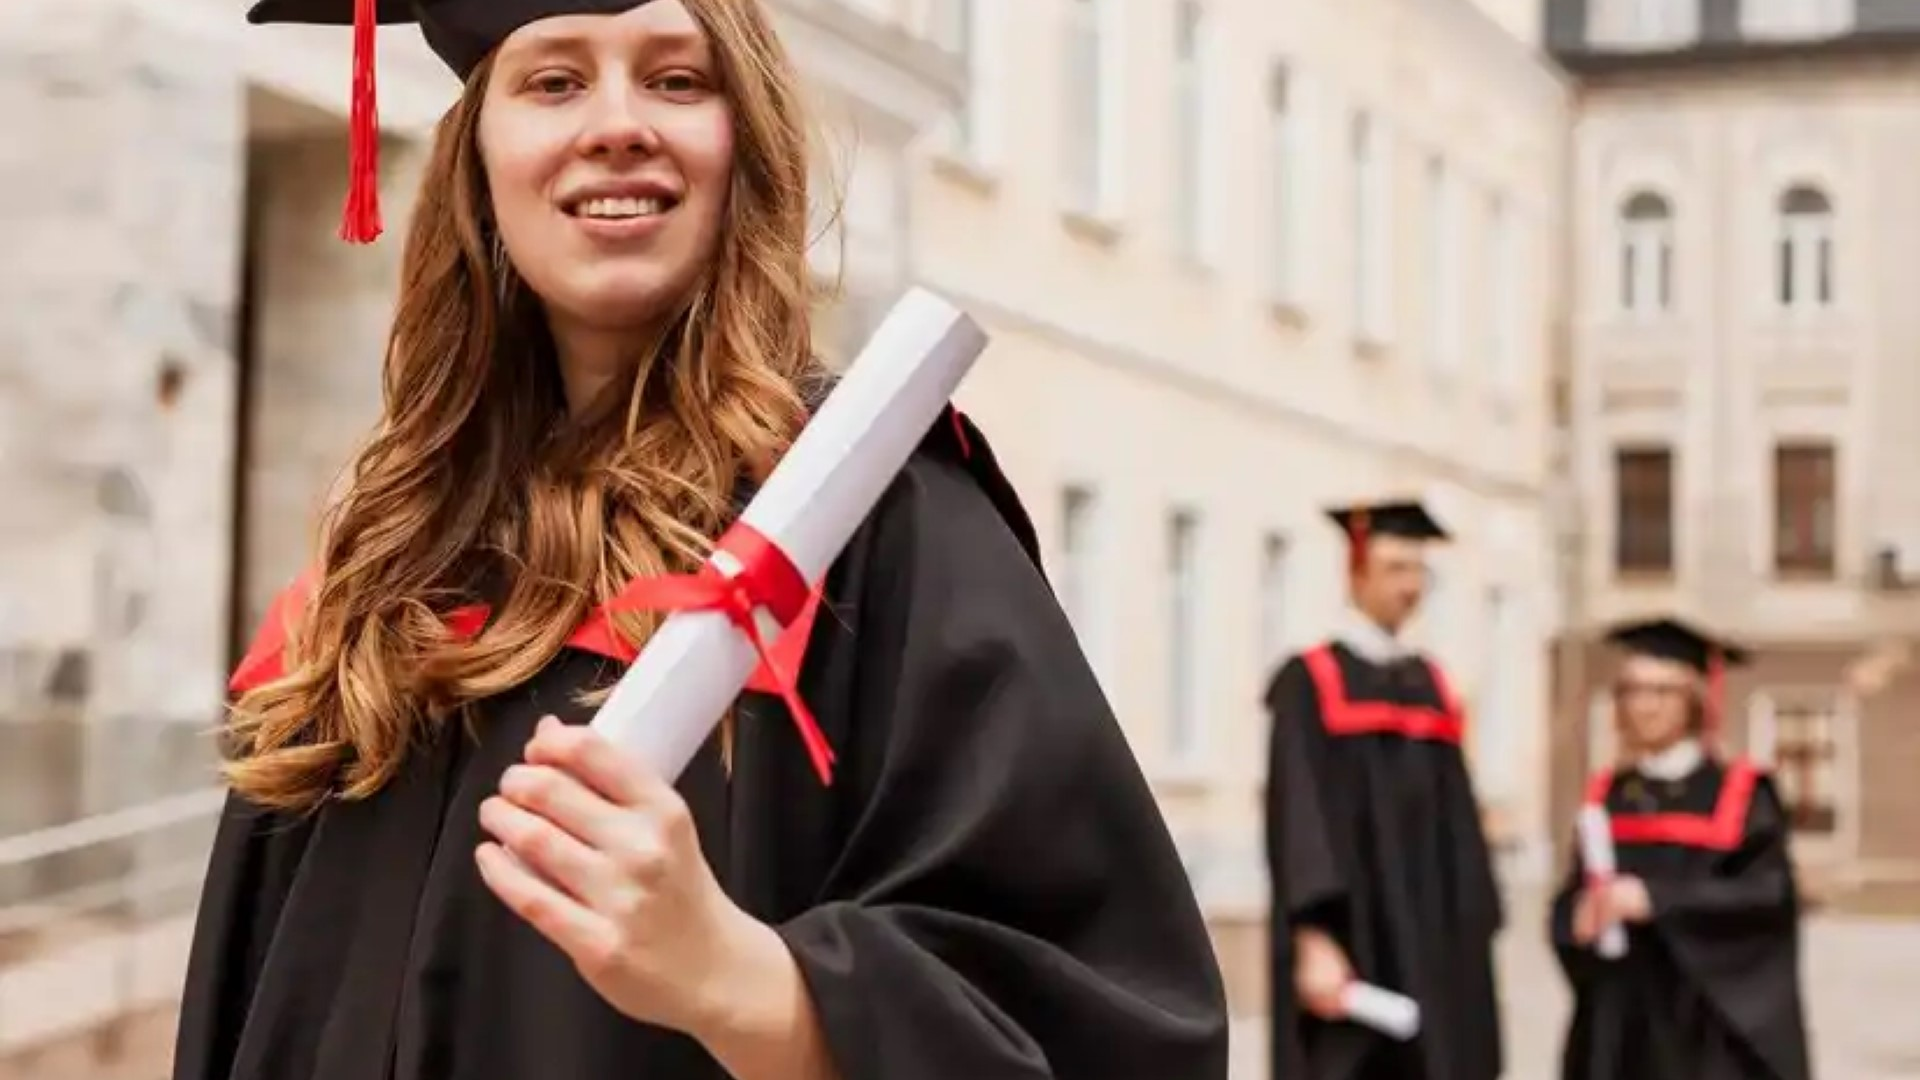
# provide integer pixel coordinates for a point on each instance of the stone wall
(121, 172)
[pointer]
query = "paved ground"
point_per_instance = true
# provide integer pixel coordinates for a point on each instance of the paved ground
(1862, 982)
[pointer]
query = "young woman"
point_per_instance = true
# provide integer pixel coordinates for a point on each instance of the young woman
(432, 870)
(1709, 986)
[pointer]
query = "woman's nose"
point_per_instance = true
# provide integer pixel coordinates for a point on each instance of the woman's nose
(619, 124)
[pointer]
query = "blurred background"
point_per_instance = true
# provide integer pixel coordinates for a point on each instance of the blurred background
(1621, 287)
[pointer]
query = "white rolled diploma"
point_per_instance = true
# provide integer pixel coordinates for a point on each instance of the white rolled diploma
(666, 705)
(1396, 1016)
(1596, 855)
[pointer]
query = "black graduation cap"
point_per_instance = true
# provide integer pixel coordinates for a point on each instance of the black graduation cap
(460, 32)
(1670, 637)
(1404, 518)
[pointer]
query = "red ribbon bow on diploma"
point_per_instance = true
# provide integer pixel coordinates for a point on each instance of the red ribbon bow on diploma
(767, 578)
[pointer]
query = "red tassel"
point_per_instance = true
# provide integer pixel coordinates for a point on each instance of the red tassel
(1716, 696)
(1357, 542)
(360, 223)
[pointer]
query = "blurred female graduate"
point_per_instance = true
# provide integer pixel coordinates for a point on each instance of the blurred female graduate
(430, 869)
(1709, 985)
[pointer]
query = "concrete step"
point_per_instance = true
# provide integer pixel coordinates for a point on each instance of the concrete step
(89, 979)
(138, 1046)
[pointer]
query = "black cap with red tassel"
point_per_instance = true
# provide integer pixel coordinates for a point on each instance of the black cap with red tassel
(1674, 639)
(1407, 519)
(461, 32)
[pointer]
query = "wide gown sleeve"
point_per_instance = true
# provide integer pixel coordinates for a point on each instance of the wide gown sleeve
(1008, 902)
(1308, 878)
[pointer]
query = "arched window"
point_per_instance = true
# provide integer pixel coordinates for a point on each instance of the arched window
(1806, 249)
(1646, 254)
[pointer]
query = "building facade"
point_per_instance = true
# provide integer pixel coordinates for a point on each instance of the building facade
(1240, 262)
(1741, 390)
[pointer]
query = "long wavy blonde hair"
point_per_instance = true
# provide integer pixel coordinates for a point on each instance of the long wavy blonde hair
(474, 472)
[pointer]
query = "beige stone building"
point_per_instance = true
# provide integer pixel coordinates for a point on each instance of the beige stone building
(1742, 389)
(1242, 260)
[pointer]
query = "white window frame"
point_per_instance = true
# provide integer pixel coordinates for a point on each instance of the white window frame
(1372, 198)
(1646, 261)
(1444, 270)
(1194, 135)
(1186, 654)
(1805, 253)
(1092, 169)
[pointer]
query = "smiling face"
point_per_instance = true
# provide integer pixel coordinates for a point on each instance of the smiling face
(608, 147)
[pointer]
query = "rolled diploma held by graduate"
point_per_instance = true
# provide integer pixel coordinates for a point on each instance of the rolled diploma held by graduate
(667, 703)
(1394, 1015)
(1596, 854)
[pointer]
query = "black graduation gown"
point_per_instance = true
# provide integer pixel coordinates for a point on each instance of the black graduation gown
(1376, 839)
(1709, 988)
(986, 890)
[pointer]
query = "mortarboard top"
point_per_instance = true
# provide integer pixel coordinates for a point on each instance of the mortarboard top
(1408, 519)
(460, 32)
(1670, 637)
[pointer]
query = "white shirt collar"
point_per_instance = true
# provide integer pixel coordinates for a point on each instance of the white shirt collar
(1676, 762)
(1370, 640)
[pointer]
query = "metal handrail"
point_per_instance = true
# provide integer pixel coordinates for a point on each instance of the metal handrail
(132, 822)
(50, 910)
(105, 828)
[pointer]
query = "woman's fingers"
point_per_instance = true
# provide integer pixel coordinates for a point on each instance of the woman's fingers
(586, 755)
(554, 794)
(553, 853)
(571, 926)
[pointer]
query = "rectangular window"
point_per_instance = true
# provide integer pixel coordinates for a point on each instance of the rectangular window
(1372, 298)
(1289, 175)
(1790, 19)
(1643, 24)
(1273, 599)
(1079, 555)
(1804, 509)
(1504, 291)
(1089, 131)
(1190, 119)
(1183, 629)
(1643, 510)
(1806, 760)
(1494, 726)
(963, 31)
(1443, 269)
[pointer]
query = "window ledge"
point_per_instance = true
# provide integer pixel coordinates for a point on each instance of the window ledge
(1092, 226)
(966, 170)
(1371, 347)
(1287, 312)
